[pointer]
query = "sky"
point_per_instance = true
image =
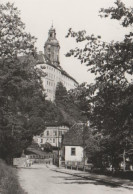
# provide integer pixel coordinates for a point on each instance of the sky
(38, 16)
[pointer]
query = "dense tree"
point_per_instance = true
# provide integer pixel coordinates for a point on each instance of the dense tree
(68, 105)
(60, 93)
(80, 97)
(47, 147)
(52, 114)
(22, 102)
(111, 94)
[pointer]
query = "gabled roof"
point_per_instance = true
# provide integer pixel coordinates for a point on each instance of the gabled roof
(74, 137)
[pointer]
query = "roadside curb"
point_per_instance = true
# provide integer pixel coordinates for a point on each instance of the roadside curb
(96, 179)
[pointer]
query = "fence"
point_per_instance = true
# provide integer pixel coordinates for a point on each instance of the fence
(78, 165)
(42, 161)
(28, 161)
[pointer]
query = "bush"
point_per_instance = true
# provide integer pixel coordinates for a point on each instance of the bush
(9, 183)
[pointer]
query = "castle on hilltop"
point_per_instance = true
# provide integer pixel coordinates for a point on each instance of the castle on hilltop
(51, 63)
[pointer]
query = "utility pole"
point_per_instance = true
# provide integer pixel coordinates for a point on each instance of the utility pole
(84, 144)
(124, 160)
(58, 147)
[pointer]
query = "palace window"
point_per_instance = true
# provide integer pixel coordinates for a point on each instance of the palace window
(60, 133)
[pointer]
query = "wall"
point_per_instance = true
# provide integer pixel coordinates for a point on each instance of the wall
(79, 154)
(54, 75)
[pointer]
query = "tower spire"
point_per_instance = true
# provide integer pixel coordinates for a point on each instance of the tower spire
(52, 25)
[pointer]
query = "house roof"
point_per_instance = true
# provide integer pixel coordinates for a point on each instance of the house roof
(42, 59)
(74, 137)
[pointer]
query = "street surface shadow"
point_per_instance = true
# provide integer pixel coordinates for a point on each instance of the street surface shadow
(30, 168)
(92, 182)
(79, 180)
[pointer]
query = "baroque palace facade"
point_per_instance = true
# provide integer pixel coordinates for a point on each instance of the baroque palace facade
(50, 63)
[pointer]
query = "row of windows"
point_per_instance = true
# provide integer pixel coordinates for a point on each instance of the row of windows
(51, 68)
(67, 84)
(55, 133)
(51, 75)
(49, 91)
(55, 70)
(62, 127)
(48, 140)
(49, 83)
(39, 157)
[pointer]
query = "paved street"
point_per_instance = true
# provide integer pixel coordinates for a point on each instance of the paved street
(41, 180)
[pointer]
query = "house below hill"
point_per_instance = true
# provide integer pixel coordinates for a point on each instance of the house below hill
(52, 135)
(73, 145)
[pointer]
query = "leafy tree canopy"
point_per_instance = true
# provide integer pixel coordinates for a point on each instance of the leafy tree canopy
(69, 105)
(21, 93)
(111, 94)
(60, 93)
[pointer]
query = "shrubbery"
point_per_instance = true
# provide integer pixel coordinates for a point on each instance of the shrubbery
(9, 183)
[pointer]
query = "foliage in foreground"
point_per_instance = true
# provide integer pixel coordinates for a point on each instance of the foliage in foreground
(22, 100)
(8, 180)
(110, 97)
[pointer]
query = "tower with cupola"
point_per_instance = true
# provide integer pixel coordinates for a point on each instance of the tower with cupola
(52, 47)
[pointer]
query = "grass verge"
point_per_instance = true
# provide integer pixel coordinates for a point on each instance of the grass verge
(9, 183)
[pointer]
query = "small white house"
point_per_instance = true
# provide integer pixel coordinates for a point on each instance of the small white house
(74, 153)
(73, 145)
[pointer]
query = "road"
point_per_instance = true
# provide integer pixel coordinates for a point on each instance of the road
(42, 180)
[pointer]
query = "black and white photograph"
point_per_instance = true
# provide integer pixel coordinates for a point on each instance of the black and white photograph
(66, 96)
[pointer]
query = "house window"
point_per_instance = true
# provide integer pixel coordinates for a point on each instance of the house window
(41, 141)
(55, 133)
(47, 133)
(73, 151)
(53, 140)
